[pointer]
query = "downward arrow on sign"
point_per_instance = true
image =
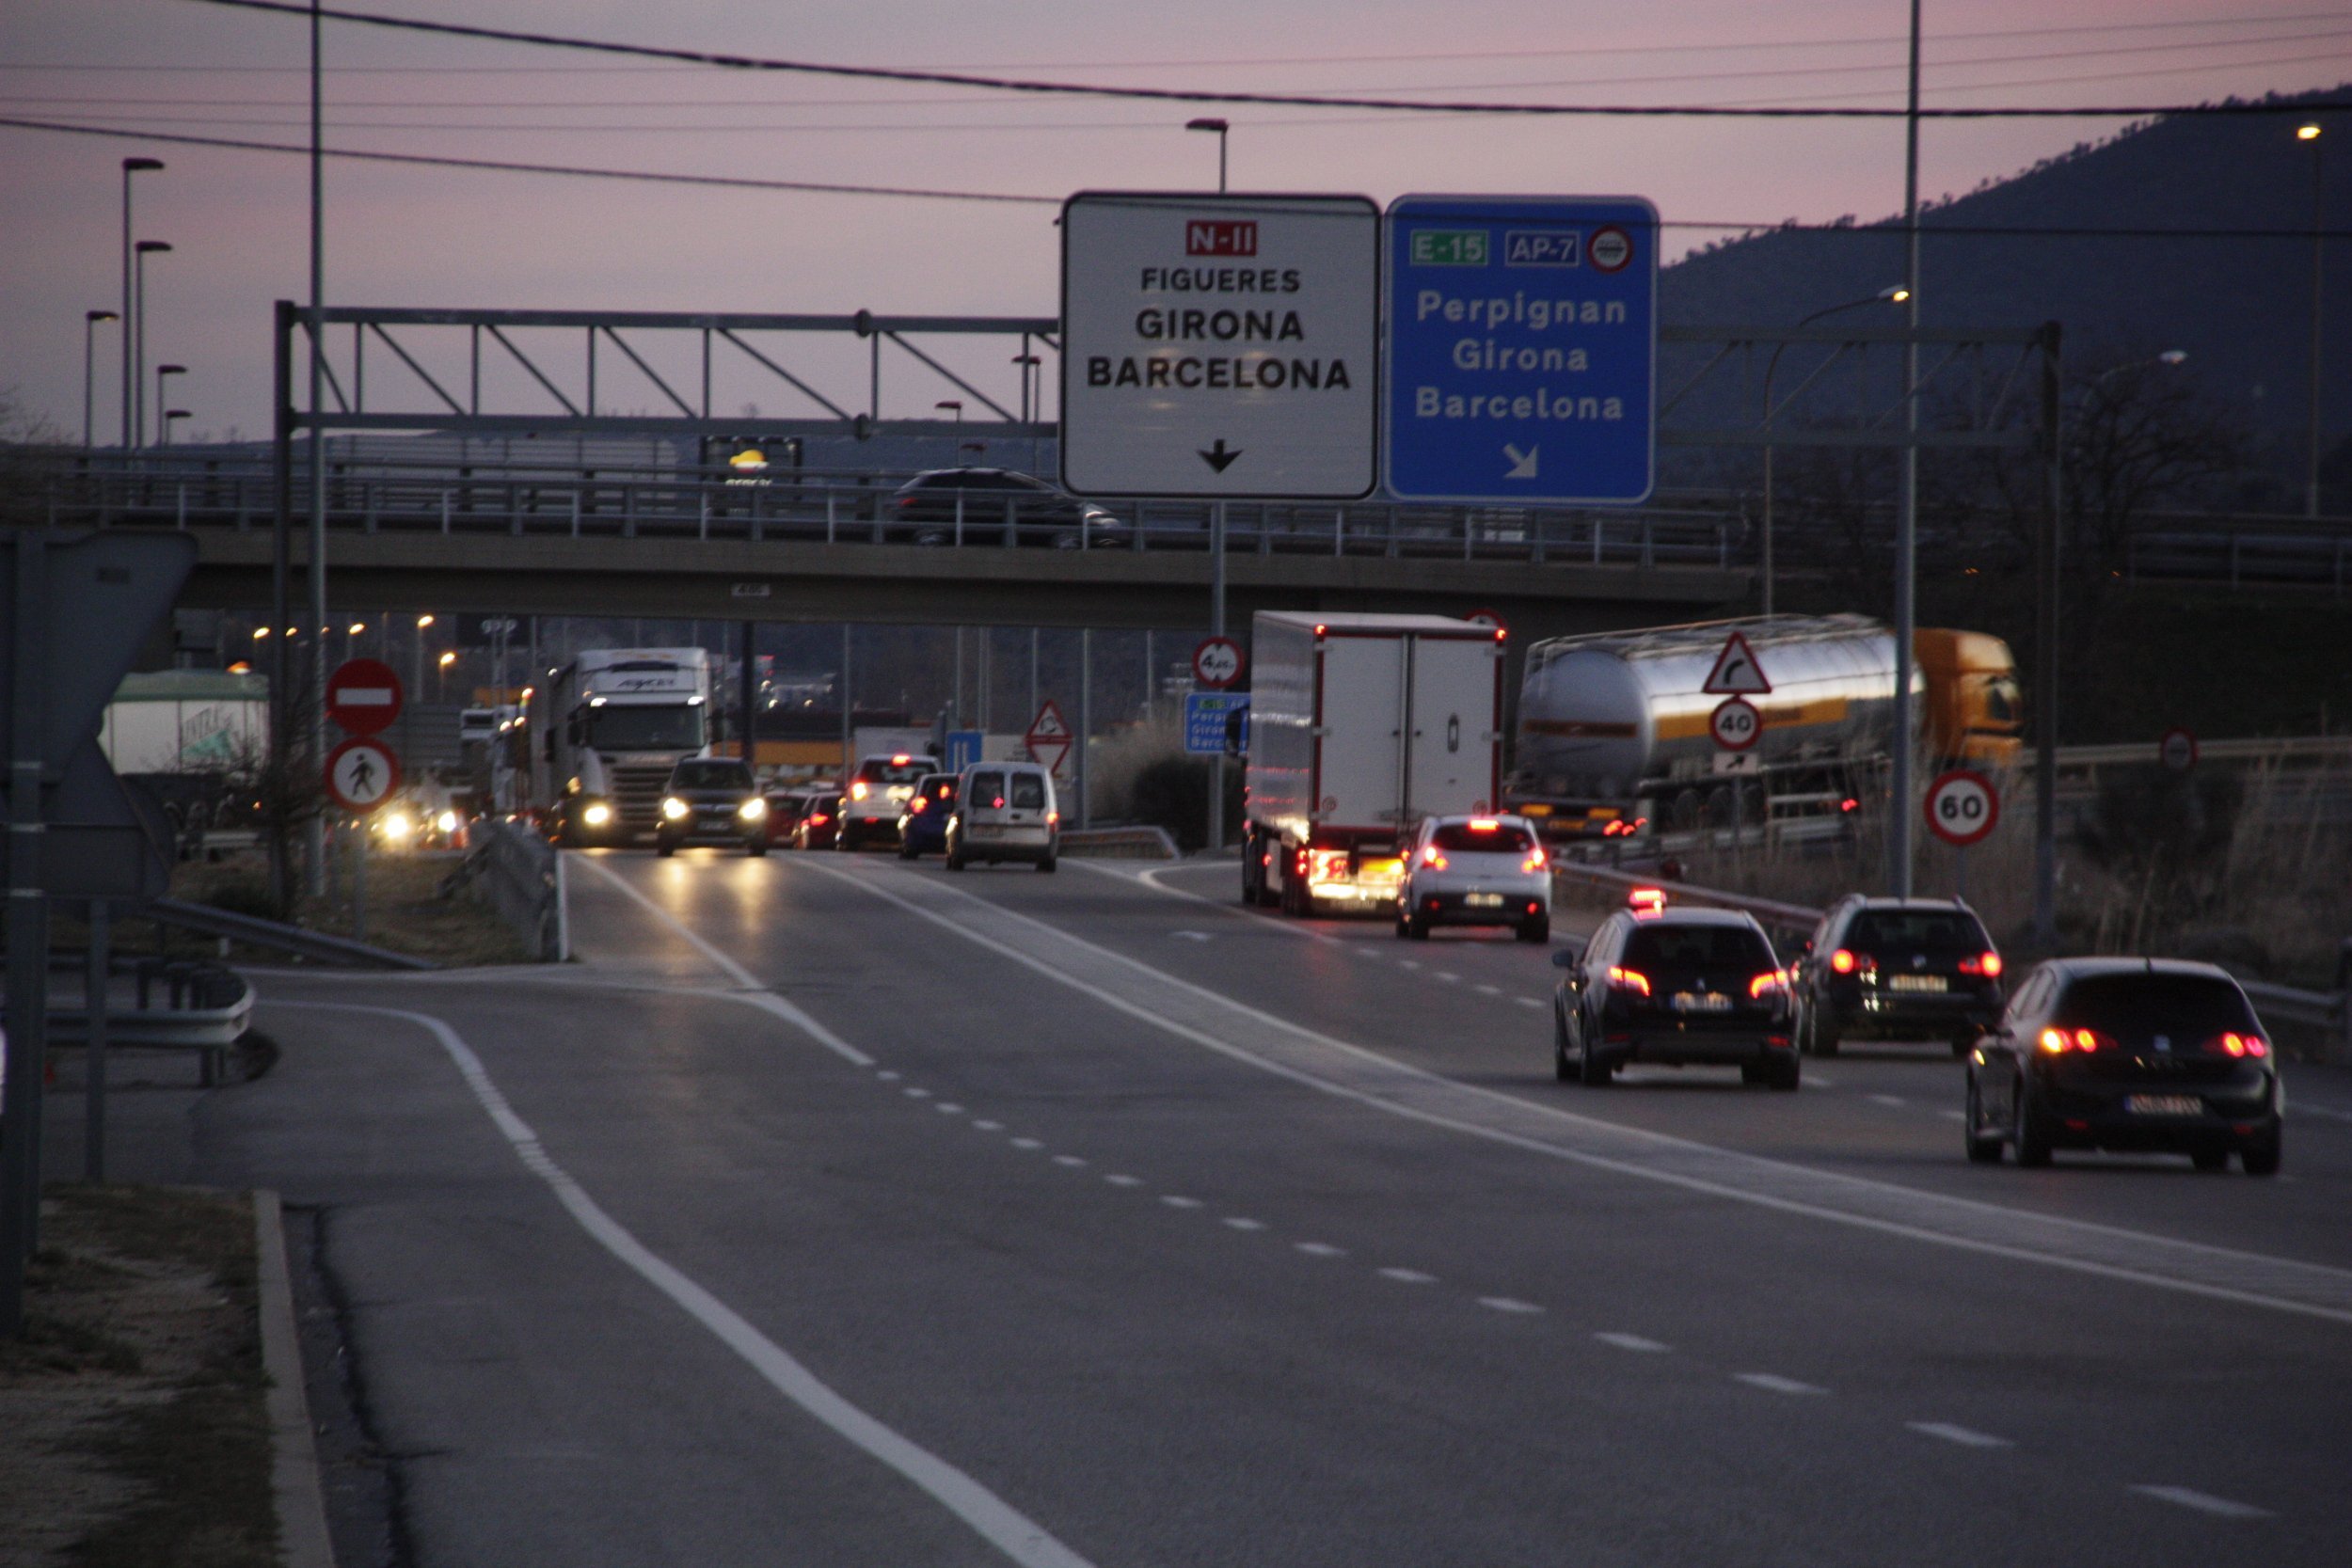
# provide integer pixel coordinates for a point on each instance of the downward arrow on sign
(1218, 458)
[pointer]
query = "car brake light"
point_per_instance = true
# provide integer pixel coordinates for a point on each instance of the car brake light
(1843, 961)
(918, 804)
(1051, 818)
(1484, 824)
(1647, 899)
(899, 760)
(1986, 964)
(2058, 1041)
(1536, 860)
(2236, 1044)
(1432, 859)
(1849, 804)
(1773, 980)
(817, 819)
(1631, 980)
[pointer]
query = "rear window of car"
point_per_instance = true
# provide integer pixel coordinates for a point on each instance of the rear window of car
(988, 789)
(1730, 948)
(1917, 931)
(883, 770)
(1460, 838)
(1028, 792)
(2134, 1007)
(938, 788)
(711, 775)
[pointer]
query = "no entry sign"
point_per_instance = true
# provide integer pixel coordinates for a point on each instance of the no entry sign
(363, 696)
(1962, 807)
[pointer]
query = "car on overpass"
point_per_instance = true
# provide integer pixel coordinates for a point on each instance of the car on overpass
(946, 506)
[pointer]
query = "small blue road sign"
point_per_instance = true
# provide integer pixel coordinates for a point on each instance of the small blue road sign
(963, 749)
(1523, 349)
(1209, 720)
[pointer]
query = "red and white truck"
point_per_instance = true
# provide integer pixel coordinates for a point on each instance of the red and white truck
(1360, 726)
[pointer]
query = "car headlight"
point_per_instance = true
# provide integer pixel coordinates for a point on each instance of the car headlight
(752, 809)
(397, 825)
(599, 814)
(675, 809)
(447, 822)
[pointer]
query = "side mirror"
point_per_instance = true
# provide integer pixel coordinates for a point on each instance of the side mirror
(1563, 958)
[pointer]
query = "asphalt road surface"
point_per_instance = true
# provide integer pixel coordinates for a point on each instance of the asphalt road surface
(835, 1210)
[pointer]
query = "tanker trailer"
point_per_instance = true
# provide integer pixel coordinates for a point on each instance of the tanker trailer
(1614, 737)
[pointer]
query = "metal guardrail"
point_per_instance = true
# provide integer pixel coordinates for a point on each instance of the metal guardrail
(207, 1009)
(251, 929)
(2265, 552)
(523, 878)
(2324, 1010)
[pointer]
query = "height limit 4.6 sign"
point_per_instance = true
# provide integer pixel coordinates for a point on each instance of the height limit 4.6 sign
(1219, 345)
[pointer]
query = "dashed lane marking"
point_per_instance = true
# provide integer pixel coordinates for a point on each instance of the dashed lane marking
(1320, 1249)
(1120, 1180)
(1894, 1100)
(1633, 1342)
(1173, 1201)
(914, 1093)
(990, 1126)
(1772, 1382)
(1028, 1143)
(1529, 1001)
(1408, 1276)
(1072, 1160)
(948, 1109)
(886, 1076)
(1508, 1304)
(2203, 1502)
(1020, 1538)
(1450, 978)
(1239, 1223)
(1966, 1437)
(1489, 991)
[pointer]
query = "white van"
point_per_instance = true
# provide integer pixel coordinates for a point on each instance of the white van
(1005, 811)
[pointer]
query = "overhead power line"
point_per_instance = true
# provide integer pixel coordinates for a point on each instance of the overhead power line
(662, 177)
(1197, 95)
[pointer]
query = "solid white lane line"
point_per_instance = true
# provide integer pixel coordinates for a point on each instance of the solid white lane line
(1123, 1180)
(1014, 1534)
(1238, 1223)
(1070, 1160)
(1633, 1342)
(945, 1109)
(1173, 1201)
(990, 1126)
(1409, 964)
(1508, 1304)
(1449, 979)
(1408, 1276)
(1367, 953)
(1884, 1208)
(1964, 1436)
(1320, 1249)
(1028, 1143)
(1773, 1384)
(886, 1076)
(2305, 1108)
(2204, 1502)
(768, 1002)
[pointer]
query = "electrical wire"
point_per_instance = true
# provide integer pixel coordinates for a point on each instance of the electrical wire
(1929, 220)
(1196, 95)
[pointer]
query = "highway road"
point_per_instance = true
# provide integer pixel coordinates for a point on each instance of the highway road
(837, 1210)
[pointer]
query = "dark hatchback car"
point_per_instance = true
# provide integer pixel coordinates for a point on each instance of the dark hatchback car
(2127, 1054)
(996, 506)
(1680, 986)
(785, 810)
(923, 826)
(819, 817)
(711, 800)
(1897, 968)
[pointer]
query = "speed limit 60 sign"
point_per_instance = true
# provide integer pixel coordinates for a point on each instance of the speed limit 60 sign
(1962, 807)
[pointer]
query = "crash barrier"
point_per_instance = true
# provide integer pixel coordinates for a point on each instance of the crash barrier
(521, 876)
(1142, 842)
(176, 1004)
(256, 932)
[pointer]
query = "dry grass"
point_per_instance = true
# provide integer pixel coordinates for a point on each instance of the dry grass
(404, 910)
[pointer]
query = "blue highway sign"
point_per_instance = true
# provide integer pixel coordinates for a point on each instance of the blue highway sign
(963, 749)
(1523, 349)
(1208, 717)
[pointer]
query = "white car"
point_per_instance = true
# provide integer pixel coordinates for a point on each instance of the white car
(1476, 871)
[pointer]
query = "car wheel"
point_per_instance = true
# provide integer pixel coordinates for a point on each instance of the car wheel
(1592, 1068)
(906, 848)
(1417, 927)
(2261, 1155)
(1535, 928)
(1068, 540)
(1981, 1150)
(2030, 1132)
(757, 851)
(1820, 1033)
(1404, 927)
(955, 854)
(1046, 864)
(2210, 1161)
(663, 848)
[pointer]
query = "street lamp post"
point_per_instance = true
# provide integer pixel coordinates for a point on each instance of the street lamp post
(130, 371)
(139, 253)
(1893, 293)
(449, 656)
(2309, 134)
(169, 414)
(163, 431)
(1206, 123)
(89, 364)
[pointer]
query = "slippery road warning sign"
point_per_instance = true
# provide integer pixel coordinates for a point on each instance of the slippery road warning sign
(1736, 672)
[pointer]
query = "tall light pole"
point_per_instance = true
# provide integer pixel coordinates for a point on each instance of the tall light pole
(169, 414)
(130, 371)
(1907, 501)
(1025, 364)
(314, 719)
(163, 432)
(89, 364)
(1206, 123)
(139, 253)
(2309, 135)
(1895, 292)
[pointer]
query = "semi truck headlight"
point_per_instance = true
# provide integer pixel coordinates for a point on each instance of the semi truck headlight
(752, 809)
(599, 814)
(675, 809)
(397, 825)
(447, 822)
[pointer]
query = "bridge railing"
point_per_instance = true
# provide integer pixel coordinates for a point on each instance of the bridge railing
(835, 507)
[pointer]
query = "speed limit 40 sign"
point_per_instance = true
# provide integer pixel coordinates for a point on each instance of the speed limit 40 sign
(1962, 807)
(1736, 724)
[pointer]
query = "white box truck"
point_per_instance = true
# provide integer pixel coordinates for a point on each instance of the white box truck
(1360, 726)
(615, 722)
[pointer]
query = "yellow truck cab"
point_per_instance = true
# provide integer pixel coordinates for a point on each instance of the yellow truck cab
(1975, 714)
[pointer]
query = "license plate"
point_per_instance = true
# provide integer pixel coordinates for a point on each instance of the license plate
(2164, 1105)
(986, 829)
(1917, 982)
(1484, 900)
(1701, 1002)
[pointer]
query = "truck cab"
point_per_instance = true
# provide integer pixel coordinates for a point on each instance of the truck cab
(618, 721)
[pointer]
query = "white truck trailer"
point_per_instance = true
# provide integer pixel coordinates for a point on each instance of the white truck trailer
(1360, 726)
(612, 725)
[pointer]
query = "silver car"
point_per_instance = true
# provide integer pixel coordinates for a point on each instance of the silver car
(1476, 871)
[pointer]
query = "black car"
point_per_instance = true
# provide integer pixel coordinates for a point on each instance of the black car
(1699, 987)
(1897, 968)
(2126, 1054)
(711, 800)
(995, 506)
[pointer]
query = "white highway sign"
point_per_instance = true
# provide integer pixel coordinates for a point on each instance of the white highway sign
(1220, 346)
